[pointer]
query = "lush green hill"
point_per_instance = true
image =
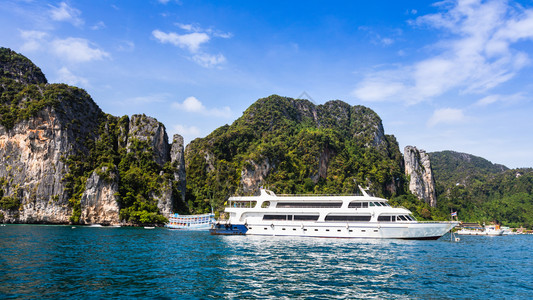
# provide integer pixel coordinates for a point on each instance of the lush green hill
(482, 191)
(451, 167)
(294, 146)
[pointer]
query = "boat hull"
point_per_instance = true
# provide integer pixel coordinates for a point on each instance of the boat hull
(422, 231)
(480, 233)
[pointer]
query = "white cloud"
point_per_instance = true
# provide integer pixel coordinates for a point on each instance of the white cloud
(193, 41)
(33, 40)
(208, 60)
(188, 133)
(98, 26)
(66, 76)
(125, 46)
(191, 104)
(188, 27)
(446, 116)
(491, 99)
(477, 58)
(190, 41)
(488, 100)
(66, 13)
(69, 49)
(387, 41)
(77, 50)
(187, 130)
(155, 98)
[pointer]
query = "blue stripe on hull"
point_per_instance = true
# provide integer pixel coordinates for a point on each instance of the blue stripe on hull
(228, 229)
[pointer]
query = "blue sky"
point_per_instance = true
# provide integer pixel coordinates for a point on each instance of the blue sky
(450, 75)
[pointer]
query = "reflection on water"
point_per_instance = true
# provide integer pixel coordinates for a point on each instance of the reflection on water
(85, 262)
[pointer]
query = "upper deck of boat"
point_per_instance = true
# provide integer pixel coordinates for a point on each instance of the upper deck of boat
(269, 196)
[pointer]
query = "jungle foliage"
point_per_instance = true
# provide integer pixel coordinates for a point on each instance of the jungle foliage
(481, 191)
(132, 167)
(301, 148)
(100, 142)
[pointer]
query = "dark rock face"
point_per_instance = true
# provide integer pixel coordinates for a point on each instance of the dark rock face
(19, 68)
(418, 168)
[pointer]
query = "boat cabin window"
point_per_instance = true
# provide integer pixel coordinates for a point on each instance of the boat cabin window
(378, 203)
(309, 204)
(311, 218)
(306, 217)
(404, 218)
(348, 218)
(386, 219)
(265, 204)
(243, 204)
(275, 217)
(358, 205)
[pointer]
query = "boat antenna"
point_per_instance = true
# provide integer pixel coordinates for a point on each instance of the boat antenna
(363, 191)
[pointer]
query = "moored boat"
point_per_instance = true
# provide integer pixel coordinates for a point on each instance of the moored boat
(492, 230)
(191, 222)
(355, 216)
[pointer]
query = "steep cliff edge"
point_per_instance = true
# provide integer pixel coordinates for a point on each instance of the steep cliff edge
(63, 160)
(418, 170)
(294, 146)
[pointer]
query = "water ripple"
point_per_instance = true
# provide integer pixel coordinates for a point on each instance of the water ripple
(49, 262)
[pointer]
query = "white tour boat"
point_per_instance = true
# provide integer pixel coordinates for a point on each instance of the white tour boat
(191, 222)
(324, 216)
(492, 230)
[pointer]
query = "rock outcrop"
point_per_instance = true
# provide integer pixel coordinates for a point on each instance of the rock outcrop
(61, 157)
(418, 169)
(177, 159)
(99, 200)
(294, 146)
(33, 159)
(148, 129)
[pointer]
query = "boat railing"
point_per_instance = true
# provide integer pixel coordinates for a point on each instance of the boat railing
(399, 206)
(449, 222)
(317, 195)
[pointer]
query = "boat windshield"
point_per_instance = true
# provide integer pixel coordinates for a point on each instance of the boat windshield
(378, 203)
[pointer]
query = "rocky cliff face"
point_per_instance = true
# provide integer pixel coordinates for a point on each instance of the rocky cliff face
(294, 146)
(148, 129)
(99, 200)
(33, 159)
(177, 158)
(418, 168)
(61, 157)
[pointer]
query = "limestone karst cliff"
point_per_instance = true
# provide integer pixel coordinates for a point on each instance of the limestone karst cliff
(63, 160)
(294, 146)
(418, 169)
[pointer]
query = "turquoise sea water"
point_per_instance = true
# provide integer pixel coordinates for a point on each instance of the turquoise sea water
(61, 262)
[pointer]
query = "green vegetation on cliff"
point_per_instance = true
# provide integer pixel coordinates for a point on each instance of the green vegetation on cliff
(481, 191)
(133, 167)
(294, 146)
(92, 141)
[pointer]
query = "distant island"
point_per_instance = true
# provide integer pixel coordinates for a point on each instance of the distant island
(64, 161)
